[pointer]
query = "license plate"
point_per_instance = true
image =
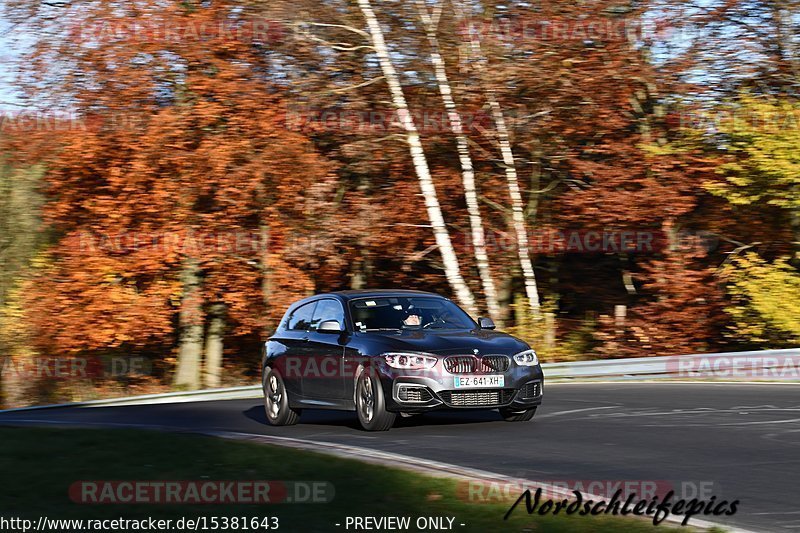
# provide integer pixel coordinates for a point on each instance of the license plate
(480, 382)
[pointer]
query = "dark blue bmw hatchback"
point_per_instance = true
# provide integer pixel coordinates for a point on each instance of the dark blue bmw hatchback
(384, 353)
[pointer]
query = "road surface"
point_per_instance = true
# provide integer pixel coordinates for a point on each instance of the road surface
(739, 441)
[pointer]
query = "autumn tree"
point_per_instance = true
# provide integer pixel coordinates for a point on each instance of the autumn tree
(184, 150)
(758, 137)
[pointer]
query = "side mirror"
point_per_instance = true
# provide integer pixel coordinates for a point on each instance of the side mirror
(486, 323)
(330, 326)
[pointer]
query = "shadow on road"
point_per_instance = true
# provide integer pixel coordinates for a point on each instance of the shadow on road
(311, 417)
(345, 419)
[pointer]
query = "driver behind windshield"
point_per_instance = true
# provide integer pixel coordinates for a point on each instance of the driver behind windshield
(427, 318)
(412, 320)
(401, 313)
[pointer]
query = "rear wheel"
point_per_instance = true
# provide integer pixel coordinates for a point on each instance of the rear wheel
(276, 400)
(371, 404)
(510, 415)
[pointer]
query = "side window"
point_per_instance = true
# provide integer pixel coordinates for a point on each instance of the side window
(328, 310)
(301, 318)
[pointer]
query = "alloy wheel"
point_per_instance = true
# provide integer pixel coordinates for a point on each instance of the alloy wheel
(367, 403)
(274, 396)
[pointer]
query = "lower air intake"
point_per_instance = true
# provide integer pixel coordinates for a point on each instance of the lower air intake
(482, 398)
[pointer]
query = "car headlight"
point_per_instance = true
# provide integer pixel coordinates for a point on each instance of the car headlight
(410, 361)
(526, 358)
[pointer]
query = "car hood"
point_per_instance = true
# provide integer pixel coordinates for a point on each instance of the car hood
(446, 342)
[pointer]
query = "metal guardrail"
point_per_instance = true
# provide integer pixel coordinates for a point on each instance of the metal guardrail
(768, 365)
(232, 393)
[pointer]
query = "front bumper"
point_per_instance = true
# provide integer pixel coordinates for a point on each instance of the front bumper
(409, 392)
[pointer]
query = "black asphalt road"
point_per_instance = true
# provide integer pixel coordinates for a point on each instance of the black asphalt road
(734, 441)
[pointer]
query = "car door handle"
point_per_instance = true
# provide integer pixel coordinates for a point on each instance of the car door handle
(305, 339)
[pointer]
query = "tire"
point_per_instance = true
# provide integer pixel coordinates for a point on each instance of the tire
(276, 400)
(510, 415)
(371, 404)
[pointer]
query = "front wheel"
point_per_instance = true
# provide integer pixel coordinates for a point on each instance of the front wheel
(510, 415)
(276, 400)
(371, 404)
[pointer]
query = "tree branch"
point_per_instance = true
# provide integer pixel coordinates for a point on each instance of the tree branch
(352, 87)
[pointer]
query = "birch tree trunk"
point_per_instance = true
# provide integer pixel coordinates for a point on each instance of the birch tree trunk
(517, 210)
(187, 373)
(212, 376)
(452, 268)
(512, 179)
(430, 21)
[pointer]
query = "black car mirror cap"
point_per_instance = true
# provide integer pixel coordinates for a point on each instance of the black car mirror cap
(330, 326)
(486, 323)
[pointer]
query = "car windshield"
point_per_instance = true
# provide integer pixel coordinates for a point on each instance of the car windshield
(411, 313)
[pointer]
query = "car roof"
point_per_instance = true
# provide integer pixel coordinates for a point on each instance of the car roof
(346, 296)
(376, 293)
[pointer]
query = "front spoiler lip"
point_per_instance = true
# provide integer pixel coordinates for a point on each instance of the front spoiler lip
(435, 386)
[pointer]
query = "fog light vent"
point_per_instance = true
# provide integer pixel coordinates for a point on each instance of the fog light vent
(413, 394)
